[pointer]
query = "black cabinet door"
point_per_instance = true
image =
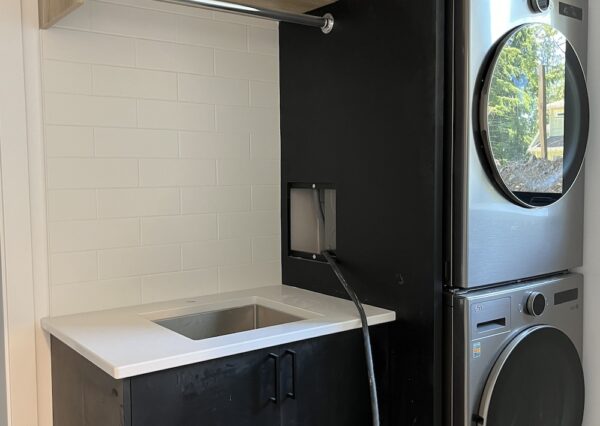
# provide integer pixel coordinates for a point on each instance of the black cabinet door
(236, 390)
(330, 387)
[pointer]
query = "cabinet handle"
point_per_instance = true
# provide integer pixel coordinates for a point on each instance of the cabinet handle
(292, 354)
(275, 399)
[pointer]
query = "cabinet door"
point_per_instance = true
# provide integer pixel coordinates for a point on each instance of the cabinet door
(330, 387)
(236, 390)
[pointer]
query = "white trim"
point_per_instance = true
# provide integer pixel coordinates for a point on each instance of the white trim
(15, 229)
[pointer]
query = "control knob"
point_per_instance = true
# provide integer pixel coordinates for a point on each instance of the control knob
(536, 304)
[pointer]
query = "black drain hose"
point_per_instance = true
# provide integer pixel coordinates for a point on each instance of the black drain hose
(365, 333)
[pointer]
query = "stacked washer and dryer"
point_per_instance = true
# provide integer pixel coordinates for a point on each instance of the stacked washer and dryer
(513, 308)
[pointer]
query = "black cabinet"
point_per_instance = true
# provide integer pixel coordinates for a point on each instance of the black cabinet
(314, 382)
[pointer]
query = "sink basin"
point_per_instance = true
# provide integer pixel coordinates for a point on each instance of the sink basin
(226, 321)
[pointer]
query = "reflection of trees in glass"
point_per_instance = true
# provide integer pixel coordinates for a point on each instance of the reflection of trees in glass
(513, 96)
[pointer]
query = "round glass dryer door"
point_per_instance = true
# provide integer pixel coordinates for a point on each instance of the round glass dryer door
(534, 115)
(536, 381)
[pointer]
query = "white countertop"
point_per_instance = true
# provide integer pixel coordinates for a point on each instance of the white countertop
(126, 342)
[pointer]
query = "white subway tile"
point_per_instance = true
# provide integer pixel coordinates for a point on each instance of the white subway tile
(174, 57)
(73, 267)
(214, 145)
(251, 224)
(263, 40)
(89, 110)
(245, 20)
(176, 115)
(67, 77)
(178, 229)
(215, 199)
(216, 253)
(133, 261)
(81, 46)
(213, 90)
(237, 172)
(166, 7)
(129, 82)
(180, 285)
(158, 173)
(265, 197)
(66, 141)
(264, 94)
(233, 278)
(265, 145)
(211, 33)
(95, 295)
(78, 19)
(73, 173)
(136, 22)
(137, 202)
(266, 249)
(71, 204)
(135, 143)
(93, 234)
(252, 66)
(245, 119)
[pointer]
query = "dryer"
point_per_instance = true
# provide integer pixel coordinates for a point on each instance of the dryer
(514, 354)
(519, 110)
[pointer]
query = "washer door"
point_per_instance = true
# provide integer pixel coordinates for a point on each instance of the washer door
(534, 115)
(537, 381)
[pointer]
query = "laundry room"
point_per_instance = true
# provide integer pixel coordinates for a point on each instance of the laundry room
(299, 212)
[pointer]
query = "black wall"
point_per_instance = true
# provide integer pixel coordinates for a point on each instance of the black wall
(362, 109)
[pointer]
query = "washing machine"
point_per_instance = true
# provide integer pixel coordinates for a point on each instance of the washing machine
(514, 354)
(518, 104)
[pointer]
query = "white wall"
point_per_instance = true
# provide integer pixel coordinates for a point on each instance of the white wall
(591, 266)
(162, 154)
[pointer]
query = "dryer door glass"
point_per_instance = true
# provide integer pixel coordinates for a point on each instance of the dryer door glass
(534, 115)
(537, 381)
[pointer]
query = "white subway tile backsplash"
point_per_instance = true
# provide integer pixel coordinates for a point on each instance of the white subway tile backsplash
(237, 172)
(207, 32)
(92, 48)
(176, 115)
(213, 90)
(214, 145)
(219, 252)
(130, 21)
(135, 143)
(134, 261)
(73, 267)
(78, 235)
(246, 65)
(178, 229)
(248, 276)
(263, 40)
(82, 110)
(67, 77)
(158, 173)
(249, 224)
(161, 128)
(214, 199)
(265, 145)
(245, 119)
(180, 285)
(71, 204)
(96, 295)
(174, 57)
(137, 202)
(265, 197)
(68, 141)
(264, 94)
(72, 173)
(134, 83)
(266, 249)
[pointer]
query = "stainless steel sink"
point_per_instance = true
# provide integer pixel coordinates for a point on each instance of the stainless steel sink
(226, 321)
